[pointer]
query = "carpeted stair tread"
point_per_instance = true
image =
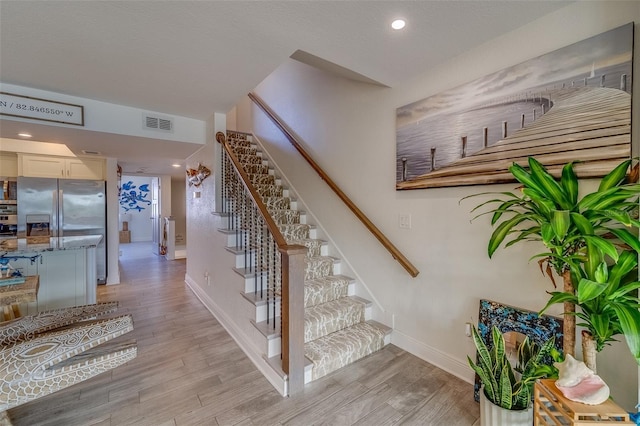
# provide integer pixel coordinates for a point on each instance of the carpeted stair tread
(249, 159)
(256, 168)
(319, 266)
(314, 246)
(245, 150)
(326, 289)
(343, 347)
(262, 179)
(285, 216)
(295, 232)
(269, 190)
(327, 318)
(277, 203)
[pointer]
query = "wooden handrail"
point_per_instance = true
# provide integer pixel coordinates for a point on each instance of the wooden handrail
(395, 253)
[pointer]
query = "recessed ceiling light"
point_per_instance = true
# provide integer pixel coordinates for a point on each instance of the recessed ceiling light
(398, 24)
(25, 135)
(175, 165)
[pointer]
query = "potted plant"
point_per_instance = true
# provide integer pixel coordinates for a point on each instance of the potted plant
(507, 392)
(584, 238)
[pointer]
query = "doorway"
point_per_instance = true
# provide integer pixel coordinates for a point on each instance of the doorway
(136, 209)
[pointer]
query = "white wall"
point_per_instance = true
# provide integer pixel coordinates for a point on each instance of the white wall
(178, 209)
(349, 129)
(112, 118)
(140, 224)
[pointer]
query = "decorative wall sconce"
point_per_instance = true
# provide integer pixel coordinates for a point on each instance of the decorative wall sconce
(196, 176)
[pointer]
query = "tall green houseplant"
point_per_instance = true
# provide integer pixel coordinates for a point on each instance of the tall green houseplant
(583, 238)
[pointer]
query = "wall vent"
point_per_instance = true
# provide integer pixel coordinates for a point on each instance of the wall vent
(153, 122)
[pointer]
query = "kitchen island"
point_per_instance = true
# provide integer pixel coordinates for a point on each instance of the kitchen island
(66, 266)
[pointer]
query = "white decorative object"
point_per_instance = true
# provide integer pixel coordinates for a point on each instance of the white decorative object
(579, 383)
(493, 415)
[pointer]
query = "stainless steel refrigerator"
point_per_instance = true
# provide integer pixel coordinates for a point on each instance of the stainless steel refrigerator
(64, 208)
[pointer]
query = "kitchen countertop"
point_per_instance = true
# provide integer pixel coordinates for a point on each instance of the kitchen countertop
(55, 243)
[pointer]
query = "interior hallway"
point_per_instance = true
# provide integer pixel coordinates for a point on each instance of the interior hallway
(189, 371)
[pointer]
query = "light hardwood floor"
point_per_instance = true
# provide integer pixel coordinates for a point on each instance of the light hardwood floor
(189, 371)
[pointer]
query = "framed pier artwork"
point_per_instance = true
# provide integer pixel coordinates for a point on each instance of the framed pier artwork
(573, 104)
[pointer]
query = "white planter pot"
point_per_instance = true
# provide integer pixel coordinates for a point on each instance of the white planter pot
(492, 415)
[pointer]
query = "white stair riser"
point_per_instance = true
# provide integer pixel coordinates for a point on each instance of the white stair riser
(262, 312)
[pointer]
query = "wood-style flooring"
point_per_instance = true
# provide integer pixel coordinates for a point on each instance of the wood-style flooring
(189, 371)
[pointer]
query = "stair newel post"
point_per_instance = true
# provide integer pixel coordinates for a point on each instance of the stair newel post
(293, 269)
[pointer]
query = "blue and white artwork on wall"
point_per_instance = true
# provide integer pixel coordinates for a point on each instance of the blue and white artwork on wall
(133, 197)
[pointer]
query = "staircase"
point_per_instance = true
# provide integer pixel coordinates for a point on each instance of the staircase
(338, 329)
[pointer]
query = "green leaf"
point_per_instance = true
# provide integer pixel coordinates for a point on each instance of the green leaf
(609, 198)
(569, 182)
(524, 177)
(547, 233)
(505, 207)
(615, 176)
(506, 400)
(601, 326)
(629, 318)
(582, 223)
(602, 273)
(560, 221)
(550, 186)
(559, 297)
(612, 200)
(624, 290)
(589, 290)
(498, 344)
(604, 246)
(502, 231)
(625, 264)
(543, 204)
(618, 215)
(486, 379)
(627, 237)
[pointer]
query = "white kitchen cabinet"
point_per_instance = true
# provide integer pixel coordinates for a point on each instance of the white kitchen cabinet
(60, 167)
(8, 164)
(64, 278)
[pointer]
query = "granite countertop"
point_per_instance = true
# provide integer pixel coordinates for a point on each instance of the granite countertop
(55, 243)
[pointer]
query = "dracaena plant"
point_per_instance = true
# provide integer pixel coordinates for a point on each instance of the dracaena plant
(501, 385)
(607, 297)
(579, 234)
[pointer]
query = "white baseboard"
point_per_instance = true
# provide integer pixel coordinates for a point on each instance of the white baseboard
(261, 364)
(433, 356)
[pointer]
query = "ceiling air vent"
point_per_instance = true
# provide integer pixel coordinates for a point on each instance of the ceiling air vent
(157, 123)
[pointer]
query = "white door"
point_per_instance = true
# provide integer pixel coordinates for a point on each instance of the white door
(155, 215)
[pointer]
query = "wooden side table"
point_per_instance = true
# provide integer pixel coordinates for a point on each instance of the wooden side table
(551, 408)
(12, 295)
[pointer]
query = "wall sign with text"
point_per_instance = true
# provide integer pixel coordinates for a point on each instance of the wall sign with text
(41, 109)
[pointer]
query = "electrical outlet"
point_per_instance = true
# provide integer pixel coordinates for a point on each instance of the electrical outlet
(404, 221)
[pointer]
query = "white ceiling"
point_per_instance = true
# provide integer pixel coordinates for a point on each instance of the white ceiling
(194, 58)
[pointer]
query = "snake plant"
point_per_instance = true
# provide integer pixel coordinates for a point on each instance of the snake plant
(501, 385)
(584, 239)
